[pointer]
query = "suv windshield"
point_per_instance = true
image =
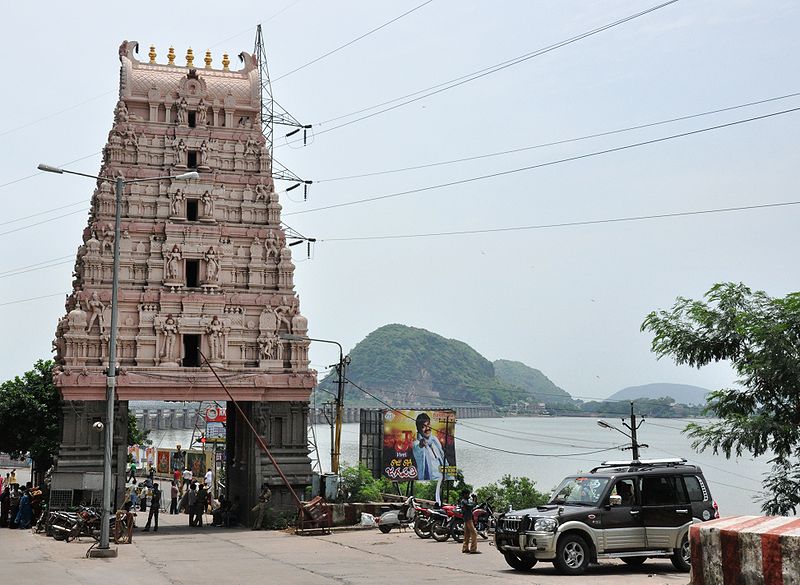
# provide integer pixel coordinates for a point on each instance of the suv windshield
(580, 491)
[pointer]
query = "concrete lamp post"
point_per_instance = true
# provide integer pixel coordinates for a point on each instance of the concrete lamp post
(336, 444)
(103, 549)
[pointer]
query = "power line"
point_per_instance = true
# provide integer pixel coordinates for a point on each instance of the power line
(57, 113)
(387, 405)
(568, 223)
(32, 299)
(24, 227)
(433, 90)
(36, 174)
(45, 212)
(355, 40)
(18, 272)
(548, 163)
(557, 142)
(249, 29)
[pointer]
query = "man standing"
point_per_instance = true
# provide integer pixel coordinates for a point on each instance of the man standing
(187, 478)
(470, 534)
(132, 470)
(173, 498)
(191, 501)
(155, 506)
(209, 481)
(260, 509)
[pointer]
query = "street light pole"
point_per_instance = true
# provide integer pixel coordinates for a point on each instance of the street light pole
(111, 378)
(336, 447)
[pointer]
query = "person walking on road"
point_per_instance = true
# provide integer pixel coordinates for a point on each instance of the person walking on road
(173, 498)
(155, 506)
(132, 471)
(470, 534)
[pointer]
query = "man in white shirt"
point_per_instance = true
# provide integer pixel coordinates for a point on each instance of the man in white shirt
(209, 481)
(187, 478)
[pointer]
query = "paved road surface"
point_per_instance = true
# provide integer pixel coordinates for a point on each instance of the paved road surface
(178, 554)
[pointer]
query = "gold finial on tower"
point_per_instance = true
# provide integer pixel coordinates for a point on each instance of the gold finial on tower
(208, 59)
(225, 62)
(171, 56)
(152, 55)
(190, 58)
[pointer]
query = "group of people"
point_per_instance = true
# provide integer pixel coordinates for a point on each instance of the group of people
(20, 506)
(187, 495)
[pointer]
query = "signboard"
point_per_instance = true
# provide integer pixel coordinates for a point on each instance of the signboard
(215, 432)
(216, 414)
(419, 444)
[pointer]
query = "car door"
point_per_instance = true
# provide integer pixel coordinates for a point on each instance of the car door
(622, 525)
(665, 509)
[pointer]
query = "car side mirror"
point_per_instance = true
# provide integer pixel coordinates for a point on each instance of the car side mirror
(615, 500)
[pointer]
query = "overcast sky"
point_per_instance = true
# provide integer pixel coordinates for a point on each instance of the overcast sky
(567, 300)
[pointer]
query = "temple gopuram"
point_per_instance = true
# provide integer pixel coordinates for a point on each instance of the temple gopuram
(205, 277)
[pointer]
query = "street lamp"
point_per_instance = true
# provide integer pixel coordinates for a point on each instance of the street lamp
(111, 378)
(635, 445)
(336, 444)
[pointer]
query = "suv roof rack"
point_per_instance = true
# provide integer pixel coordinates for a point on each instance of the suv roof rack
(642, 463)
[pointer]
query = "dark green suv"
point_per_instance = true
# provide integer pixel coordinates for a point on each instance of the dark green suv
(632, 510)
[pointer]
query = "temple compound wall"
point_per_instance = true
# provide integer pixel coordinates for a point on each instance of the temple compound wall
(204, 271)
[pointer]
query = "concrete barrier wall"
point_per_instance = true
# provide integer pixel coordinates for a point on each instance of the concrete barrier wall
(746, 550)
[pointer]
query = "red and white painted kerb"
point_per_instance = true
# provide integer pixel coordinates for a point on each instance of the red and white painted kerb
(746, 550)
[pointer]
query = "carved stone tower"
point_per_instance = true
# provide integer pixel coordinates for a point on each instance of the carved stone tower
(204, 269)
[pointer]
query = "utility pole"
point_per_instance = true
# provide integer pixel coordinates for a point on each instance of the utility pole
(635, 444)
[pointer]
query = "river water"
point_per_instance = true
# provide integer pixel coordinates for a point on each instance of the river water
(548, 448)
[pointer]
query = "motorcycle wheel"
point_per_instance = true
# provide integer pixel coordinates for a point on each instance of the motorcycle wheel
(422, 528)
(439, 531)
(386, 529)
(457, 530)
(481, 528)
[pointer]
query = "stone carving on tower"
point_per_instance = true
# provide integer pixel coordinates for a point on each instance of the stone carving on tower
(205, 273)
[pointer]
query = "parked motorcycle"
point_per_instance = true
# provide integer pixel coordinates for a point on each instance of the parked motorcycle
(71, 525)
(425, 520)
(400, 517)
(451, 524)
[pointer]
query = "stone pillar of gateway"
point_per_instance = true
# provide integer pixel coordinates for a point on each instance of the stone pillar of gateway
(204, 268)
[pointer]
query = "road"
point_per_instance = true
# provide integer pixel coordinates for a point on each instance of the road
(178, 554)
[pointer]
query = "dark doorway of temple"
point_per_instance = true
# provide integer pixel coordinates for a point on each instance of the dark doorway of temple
(191, 351)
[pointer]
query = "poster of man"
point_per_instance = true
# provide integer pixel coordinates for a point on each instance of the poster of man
(419, 444)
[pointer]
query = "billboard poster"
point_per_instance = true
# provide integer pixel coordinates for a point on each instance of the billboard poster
(162, 462)
(196, 462)
(419, 444)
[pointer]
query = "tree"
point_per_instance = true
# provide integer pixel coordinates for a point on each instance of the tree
(760, 337)
(517, 492)
(30, 408)
(136, 436)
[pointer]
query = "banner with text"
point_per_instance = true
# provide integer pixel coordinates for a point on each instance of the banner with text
(419, 444)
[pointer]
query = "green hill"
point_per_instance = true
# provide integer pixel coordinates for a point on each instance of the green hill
(531, 380)
(407, 366)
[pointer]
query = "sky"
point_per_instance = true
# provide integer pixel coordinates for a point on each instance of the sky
(566, 299)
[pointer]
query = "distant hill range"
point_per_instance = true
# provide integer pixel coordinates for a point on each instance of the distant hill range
(411, 367)
(681, 393)
(408, 366)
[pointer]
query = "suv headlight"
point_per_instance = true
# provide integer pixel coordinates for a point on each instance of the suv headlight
(545, 525)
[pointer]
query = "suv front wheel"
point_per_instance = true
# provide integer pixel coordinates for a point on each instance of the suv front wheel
(520, 562)
(682, 557)
(572, 555)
